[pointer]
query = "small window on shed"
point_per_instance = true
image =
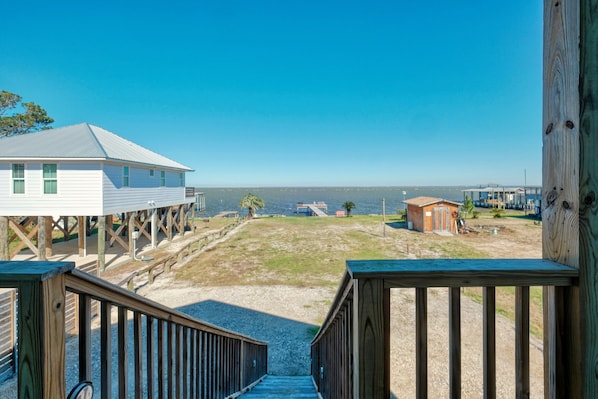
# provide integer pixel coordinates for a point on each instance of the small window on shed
(125, 176)
(181, 180)
(162, 178)
(50, 178)
(152, 172)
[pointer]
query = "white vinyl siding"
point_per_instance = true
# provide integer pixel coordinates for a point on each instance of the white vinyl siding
(87, 189)
(50, 178)
(79, 194)
(18, 178)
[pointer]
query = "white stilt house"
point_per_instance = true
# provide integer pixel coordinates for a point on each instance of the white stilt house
(87, 176)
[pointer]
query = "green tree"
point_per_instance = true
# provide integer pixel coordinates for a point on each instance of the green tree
(348, 205)
(468, 206)
(33, 117)
(252, 203)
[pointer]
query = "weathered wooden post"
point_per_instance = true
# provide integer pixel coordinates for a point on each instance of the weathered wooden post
(49, 237)
(570, 188)
(41, 331)
(131, 230)
(81, 234)
(371, 335)
(4, 252)
(41, 237)
(101, 243)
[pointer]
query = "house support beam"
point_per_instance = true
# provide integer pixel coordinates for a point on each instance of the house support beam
(154, 227)
(4, 252)
(81, 234)
(169, 223)
(41, 238)
(49, 238)
(131, 229)
(101, 243)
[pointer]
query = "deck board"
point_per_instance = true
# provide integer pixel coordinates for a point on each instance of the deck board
(275, 387)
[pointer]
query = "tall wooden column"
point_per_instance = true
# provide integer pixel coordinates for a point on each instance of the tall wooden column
(169, 223)
(49, 238)
(131, 229)
(41, 237)
(4, 252)
(154, 227)
(562, 182)
(588, 191)
(101, 243)
(81, 235)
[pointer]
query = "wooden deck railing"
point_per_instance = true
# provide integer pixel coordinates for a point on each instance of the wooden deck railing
(351, 352)
(138, 349)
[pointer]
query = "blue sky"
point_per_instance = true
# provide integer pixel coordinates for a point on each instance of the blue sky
(295, 93)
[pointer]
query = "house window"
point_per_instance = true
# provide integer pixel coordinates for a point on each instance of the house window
(162, 178)
(125, 176)
(18, 178)
(50, 180)
(152, 172)
(181, 180)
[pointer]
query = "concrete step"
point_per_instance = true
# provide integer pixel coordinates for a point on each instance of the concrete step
(279, 387)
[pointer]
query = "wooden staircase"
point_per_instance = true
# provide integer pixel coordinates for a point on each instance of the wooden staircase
(279, 387)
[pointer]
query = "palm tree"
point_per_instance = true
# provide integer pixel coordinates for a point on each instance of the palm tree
(252, 203)
(348, 205)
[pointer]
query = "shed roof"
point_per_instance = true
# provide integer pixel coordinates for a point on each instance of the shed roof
(82, 141)
(424, 201)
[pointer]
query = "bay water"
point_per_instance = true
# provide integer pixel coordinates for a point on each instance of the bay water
(283, 200)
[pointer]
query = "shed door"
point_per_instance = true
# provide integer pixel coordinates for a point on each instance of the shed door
(441, 219)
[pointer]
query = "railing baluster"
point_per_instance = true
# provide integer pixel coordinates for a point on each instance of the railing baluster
(138, 361)
(161, 373)
(123, 354)
(106, 350)
(421, 337)
(186, 368)
(150, 368)
(455, 342)
(179, 360)
(84, 337)
(170, 359)
(192, 362)
(489, 309)
(522, 342)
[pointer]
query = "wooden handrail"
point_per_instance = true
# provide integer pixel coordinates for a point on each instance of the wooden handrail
(168, 352)
(152, 270)
(351, 351)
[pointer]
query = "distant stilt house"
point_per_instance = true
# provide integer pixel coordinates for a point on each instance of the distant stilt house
(88, 177)
(523, 198)
(429, 214)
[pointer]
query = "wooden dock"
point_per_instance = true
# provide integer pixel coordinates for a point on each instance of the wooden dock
(314, 209)
(279, 387)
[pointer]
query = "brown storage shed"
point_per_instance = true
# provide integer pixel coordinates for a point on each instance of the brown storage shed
(429, 214)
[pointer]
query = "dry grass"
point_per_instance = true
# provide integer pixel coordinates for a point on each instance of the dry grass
(302, 251)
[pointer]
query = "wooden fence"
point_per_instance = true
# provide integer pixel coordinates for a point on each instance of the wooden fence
(137, 348)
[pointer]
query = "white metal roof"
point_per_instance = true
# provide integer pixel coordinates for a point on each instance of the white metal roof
(82, 141)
